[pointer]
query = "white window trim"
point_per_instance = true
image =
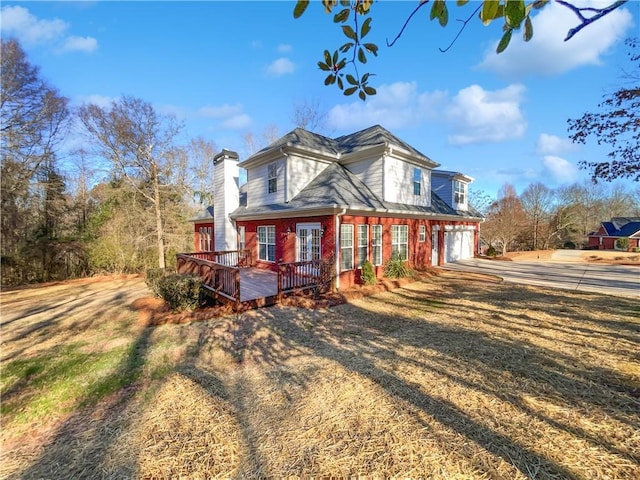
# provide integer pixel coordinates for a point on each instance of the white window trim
(267, 242)
(272, 174)
(422, 233)
(343, 227)
(374, 245)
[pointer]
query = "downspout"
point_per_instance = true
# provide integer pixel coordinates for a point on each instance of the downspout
(337, 246)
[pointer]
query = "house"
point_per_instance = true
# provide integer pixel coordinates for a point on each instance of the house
(203, 230)
(364, 196)
(606, 236)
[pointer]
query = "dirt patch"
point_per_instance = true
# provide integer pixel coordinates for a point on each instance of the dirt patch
(533, 255)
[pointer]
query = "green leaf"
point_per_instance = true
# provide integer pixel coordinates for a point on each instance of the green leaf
(366, 28)
(351, 79)
(489, 11)
(461, 3)
(365, 77)
(362, 95)
(350, 90)
(436, 9)
(362, 58)
(371, 48)
(504, 41)
(327, 58)
(444, 16)
(335, 58)
(330, 79)
(324, 66)
(299, 9)
(340, 83)
(341, 64)
(514, 13)
(341, 16)
(370, 90)
(348, 31)
(345, 48)
(528, 29)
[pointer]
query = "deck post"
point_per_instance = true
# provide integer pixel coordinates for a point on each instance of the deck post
(279, 283)
(236, 276)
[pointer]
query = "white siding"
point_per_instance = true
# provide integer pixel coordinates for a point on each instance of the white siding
(398, 183)
(300, 172)
(257, 185)
(226, 200)
(370, 173)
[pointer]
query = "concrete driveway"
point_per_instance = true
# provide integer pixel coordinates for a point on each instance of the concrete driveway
(568, 275)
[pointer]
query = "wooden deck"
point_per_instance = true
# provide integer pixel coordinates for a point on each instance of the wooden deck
(256, 283)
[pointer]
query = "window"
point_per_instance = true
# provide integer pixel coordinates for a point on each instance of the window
(241, 242)
(273, 178)
(417, 181)
(267, 243)
(376, 244)
(204, 239)
(363, 244)
(422, 233)
(400, 241)
(459, 191)
(346, 247)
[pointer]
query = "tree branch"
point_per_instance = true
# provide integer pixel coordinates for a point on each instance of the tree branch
(415, 10)
(586, 21)
(464, 25)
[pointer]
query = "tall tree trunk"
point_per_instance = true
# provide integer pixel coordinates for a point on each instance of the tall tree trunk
(158, 211)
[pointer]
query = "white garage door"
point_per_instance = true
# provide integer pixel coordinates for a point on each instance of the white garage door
(458, 245)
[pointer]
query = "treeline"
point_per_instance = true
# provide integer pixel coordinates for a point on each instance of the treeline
(97, 189)
(545, 218)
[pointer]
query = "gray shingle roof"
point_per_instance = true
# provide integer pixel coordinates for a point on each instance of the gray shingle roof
(203, 215)
(337, 186)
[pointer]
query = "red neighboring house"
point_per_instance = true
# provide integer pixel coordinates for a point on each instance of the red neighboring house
(619, 227)
(203, 230)
(363, 196)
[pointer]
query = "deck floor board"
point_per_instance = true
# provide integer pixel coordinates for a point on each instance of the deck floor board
(256, 283)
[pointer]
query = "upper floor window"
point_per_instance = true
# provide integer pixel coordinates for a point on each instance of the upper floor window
(273, 178)
(459, 192)
(417, 181)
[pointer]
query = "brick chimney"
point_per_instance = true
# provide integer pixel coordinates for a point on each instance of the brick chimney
(226, 198)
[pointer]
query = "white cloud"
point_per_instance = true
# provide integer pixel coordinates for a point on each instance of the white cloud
(281, 66)
(220, 111)
(560, 169)
(31, 31)
(99, 100)
(284, 48)
(394, 106)
(553, 145)
(482, 116)
(79, 44)
(548, 54)
(237, 122)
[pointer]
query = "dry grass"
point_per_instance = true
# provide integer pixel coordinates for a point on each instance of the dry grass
(454, 377)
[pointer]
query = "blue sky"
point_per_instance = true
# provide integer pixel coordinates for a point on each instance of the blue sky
(228, 68)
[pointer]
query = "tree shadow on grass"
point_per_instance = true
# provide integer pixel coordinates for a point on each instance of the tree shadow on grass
(80, 444)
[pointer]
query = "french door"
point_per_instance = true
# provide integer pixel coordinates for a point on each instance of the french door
(309, 244)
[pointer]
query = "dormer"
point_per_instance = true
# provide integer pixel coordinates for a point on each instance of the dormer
(452, 187)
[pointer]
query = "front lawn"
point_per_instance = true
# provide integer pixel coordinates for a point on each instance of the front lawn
(452, 377)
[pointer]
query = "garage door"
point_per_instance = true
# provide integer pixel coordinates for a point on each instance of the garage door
(458, 245)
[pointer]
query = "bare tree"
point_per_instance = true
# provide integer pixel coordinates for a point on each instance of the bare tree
(505, 219)
(537, 202)
(33, 120)
(140, 145)
(309, 115)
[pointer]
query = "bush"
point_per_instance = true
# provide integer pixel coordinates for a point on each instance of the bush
(395, 268)
(181, 291)
(368, 275)
(622, 243)
(491, 251)
(152, 278)
(635, 249)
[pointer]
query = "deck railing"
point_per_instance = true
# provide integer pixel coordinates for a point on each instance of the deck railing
(220, 273)
(312, 274)
(221, 280)
(229, 258)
